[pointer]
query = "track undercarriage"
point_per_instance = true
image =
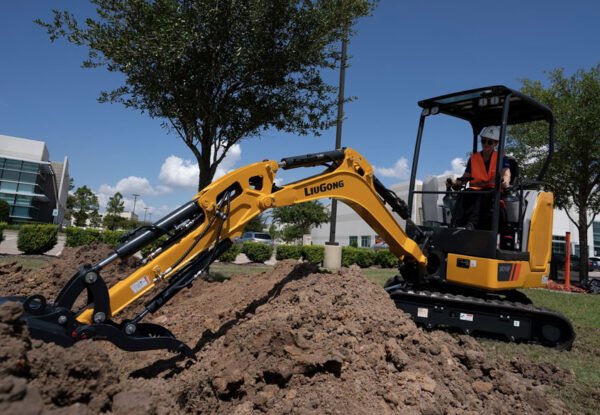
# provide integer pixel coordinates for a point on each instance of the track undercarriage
(506, 316)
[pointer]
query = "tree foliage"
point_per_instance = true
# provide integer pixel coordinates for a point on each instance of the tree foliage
(297, 220)
(4, 210)
(256, 224)
(84, 202)
(114, 207)
(218, 71)
(574, 172)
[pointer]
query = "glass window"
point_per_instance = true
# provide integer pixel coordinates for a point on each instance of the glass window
(10, 175)
(8, 186)
(13, 164)
(353, 241)
(9, 198)
(558, 248)
(32, 167)
(23, 200)
(365, 241)
(596, 228)
(22, 212)
(28, 177)
(23, 187)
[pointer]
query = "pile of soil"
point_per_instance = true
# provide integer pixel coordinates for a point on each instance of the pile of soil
(293, 340)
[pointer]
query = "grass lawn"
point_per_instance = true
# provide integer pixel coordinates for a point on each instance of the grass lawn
(582, 395)
(27, 261)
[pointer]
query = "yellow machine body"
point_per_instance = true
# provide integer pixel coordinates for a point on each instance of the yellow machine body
(496, 275)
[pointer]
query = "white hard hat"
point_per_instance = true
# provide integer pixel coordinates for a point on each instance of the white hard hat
(492, 132)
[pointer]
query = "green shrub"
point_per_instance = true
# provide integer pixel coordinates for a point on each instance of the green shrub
(363, 257)
(385, 259)
(231, 254)
(288, 252)
(2, 227)
(257, 252)
(4, 210)
(112, 238)
(313, 253)
(80, 237)
(37, 239)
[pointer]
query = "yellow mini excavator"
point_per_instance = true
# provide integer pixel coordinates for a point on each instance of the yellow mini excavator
(450, 277)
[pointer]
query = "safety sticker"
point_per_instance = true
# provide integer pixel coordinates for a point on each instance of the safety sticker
(140, 284)
(422, 312)
(517, 323)
(473, 263)
(466, 316)
(544, 279)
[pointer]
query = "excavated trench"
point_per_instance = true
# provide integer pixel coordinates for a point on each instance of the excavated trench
(292, 340)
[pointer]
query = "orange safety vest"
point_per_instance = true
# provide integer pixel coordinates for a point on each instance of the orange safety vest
(482, 178)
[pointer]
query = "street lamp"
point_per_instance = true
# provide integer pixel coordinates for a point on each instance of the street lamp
(134, 201)
(145, 211)
(338, 132)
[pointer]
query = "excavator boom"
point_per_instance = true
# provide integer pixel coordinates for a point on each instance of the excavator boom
(198, 232)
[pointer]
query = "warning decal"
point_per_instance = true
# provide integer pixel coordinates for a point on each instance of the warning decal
(140, 284)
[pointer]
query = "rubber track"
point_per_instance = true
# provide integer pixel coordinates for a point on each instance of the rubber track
(496, 318)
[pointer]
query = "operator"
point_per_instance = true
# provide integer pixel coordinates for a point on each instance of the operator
(474, 210)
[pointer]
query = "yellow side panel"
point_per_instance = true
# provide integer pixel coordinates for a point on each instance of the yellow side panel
(493, 274)
(540, 233)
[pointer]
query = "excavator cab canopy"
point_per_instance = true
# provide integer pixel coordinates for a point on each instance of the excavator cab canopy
(495, 105)
(484, 106)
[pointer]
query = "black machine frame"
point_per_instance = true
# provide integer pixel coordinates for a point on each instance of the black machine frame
(481, 107)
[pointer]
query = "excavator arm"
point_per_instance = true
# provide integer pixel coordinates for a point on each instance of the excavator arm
(197, 233)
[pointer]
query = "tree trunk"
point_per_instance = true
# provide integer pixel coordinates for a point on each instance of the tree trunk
(583, 244)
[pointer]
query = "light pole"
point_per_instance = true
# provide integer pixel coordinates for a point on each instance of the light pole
(145, 211)
(338, 132)
(134, 202)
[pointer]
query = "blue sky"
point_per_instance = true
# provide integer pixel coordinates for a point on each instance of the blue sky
(406, 51)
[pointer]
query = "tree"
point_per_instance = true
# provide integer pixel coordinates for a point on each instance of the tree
(114, 207)
(574, 172)
(94, 219)
(84, 203)
(218, 71)
(4, 211)
(297, 220)
(256, 224)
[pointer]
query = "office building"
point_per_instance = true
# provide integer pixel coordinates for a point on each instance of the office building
(35, 188)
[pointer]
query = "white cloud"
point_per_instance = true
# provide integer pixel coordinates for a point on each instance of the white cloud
(178, 172)
(134, 185)
(399, 170)
(458, 167)
(128, 187)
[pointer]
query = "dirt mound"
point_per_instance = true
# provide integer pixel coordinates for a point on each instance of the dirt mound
(49, 279)
(291, 340)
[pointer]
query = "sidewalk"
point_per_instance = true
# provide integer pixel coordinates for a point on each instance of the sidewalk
(9, 245)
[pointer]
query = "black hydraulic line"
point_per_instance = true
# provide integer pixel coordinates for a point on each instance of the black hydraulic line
(314, 159)
(161, 227)
(185, 277)
(398, 205)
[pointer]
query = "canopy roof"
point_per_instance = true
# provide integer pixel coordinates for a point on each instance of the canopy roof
(483, 106)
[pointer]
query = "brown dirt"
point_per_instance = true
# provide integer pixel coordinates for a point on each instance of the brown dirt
(287, 341)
